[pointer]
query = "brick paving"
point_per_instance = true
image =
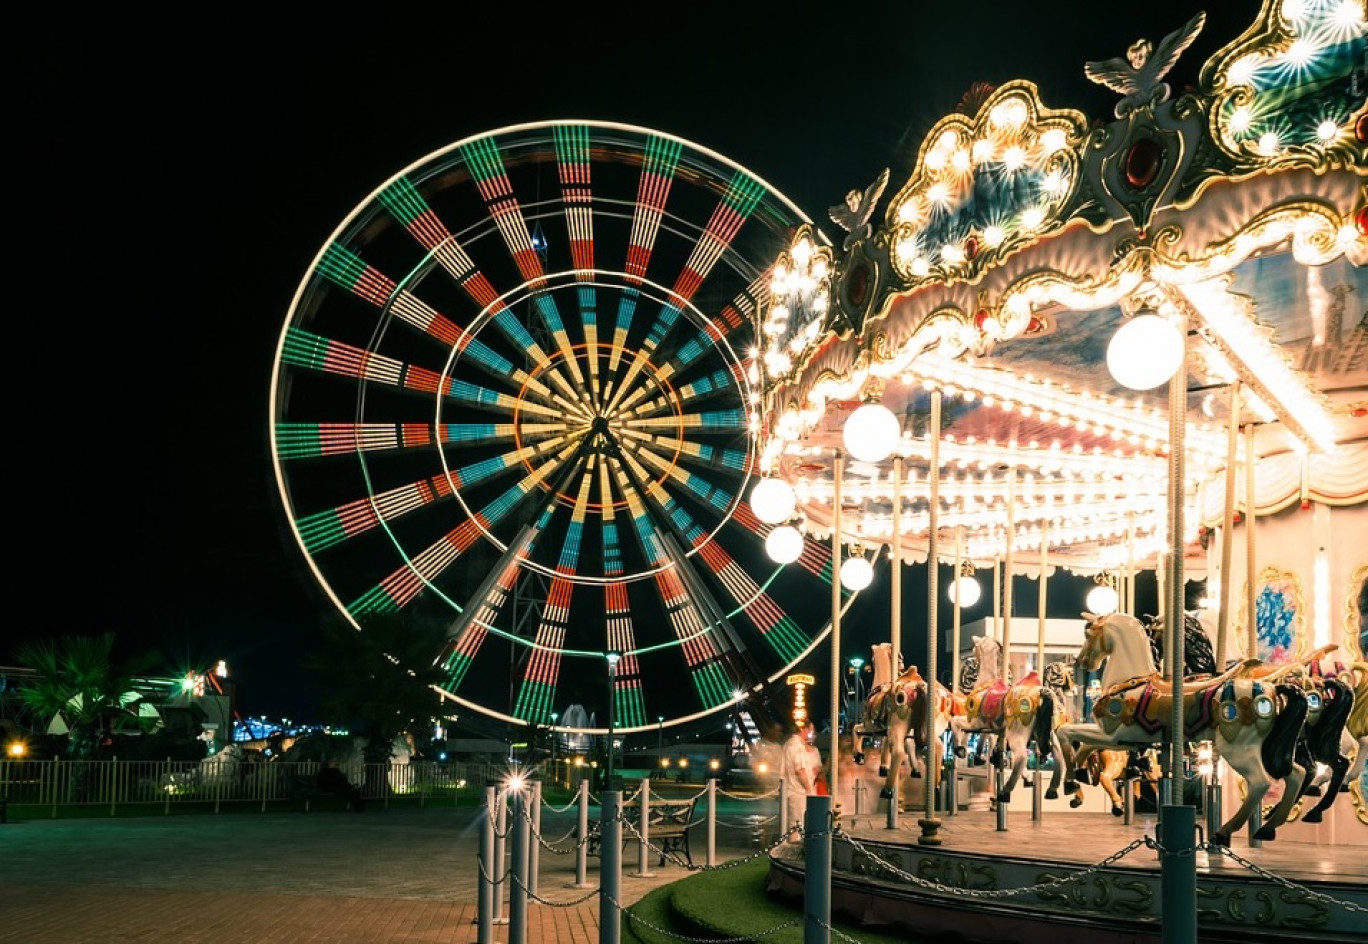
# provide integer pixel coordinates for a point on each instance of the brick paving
(386, 876)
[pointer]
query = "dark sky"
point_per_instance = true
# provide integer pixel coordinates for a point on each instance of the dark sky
(176, 178)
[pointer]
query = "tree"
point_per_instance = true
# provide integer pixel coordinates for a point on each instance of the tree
(378, 681)
(79, 678)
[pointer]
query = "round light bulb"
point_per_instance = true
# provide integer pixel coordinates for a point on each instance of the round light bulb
(1102, 599)
(784, 544)
(773, 500)
(856, 574)
(964, 589)
(1145, 352)
(871, 432)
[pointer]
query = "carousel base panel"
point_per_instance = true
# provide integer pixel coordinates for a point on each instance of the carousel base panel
(1276, 891)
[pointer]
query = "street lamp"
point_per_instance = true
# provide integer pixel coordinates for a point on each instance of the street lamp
(613, 658)
(660, 732)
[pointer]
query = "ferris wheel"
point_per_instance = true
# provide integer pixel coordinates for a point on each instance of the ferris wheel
(516, 392)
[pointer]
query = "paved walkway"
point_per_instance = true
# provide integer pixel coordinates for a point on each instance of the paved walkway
(380, 877)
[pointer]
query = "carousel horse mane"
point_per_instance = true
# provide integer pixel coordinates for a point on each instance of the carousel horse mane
(1198, 657)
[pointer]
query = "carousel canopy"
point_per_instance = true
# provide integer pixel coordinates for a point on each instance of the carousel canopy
(1045, 274)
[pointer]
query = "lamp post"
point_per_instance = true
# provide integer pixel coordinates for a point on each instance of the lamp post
(613, 658)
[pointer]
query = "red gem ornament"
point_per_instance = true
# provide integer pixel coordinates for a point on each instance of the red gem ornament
(971, 247)
(1361, 129)
(980, 318)
(1142, 163)
(1361, 220)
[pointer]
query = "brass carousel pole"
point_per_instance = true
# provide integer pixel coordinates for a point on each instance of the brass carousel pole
(895, 615)
(1177, 821)
(1251, 610)
(930, 825)
(834, 755)
(1038, 783)
(1214, 799)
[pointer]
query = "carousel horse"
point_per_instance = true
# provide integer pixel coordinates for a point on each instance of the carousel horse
(1255, 724)
(895, 711)
(1015, 714)
(1330, 701)
(1105, 768)
(1110, 768)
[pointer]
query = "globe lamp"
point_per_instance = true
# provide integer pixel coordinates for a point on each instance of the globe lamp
(773, 500)
(1145, 352)
(856, 574)
(784, 544)
(871, 432)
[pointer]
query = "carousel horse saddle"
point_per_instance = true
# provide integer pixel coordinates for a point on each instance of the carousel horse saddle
(992, 700)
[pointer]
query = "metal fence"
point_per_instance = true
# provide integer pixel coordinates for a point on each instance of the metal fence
(218, 780)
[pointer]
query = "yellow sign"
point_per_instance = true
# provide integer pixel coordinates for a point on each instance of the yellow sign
(801, 679)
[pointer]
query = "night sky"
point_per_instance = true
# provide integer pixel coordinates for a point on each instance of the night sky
(176, 178)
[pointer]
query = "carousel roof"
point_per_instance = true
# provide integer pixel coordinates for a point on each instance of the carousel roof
(1026, 238)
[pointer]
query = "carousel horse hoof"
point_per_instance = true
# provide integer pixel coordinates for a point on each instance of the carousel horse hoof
(1117, 811)
(1312, 791)
(1344, 788)
(960, 752)
(1004, 797)
(998, 758)
(883, 771)
(1312, 817)
(915, 774)
(1221, 839)
(885, 794)
(859, 758)
(1075, 803)
(1267, 834)
(1083, 777)
(1052, 794)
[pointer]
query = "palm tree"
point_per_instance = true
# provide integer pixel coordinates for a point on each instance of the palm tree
(79, 678)
(378, 681)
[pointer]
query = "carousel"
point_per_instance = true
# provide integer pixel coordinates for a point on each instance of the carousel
(1118, 347)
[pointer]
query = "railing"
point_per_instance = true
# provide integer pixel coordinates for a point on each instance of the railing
(59, 784)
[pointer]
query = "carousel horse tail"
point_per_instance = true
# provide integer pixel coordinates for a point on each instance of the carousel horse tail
(1279, 748)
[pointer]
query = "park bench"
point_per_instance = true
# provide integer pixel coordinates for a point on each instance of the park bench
(669, 827)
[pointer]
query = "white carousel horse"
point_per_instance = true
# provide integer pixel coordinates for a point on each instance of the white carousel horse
(895, 711)
(1015, 714)
(1255, 724)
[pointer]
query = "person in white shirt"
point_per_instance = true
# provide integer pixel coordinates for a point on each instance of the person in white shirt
(799, 766)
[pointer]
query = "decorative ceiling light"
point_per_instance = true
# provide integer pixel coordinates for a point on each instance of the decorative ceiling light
(773, 500)
(1145, 352)
(964, 589)
(871, 432)
(784, 544)
(1103, 598)
(856, 572)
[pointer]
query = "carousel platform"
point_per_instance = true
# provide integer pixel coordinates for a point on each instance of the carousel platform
(1087, 875)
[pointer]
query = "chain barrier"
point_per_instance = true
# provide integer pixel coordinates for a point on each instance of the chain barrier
(492, 814)
(987, 893)
(1285, 883)
(533, 896)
